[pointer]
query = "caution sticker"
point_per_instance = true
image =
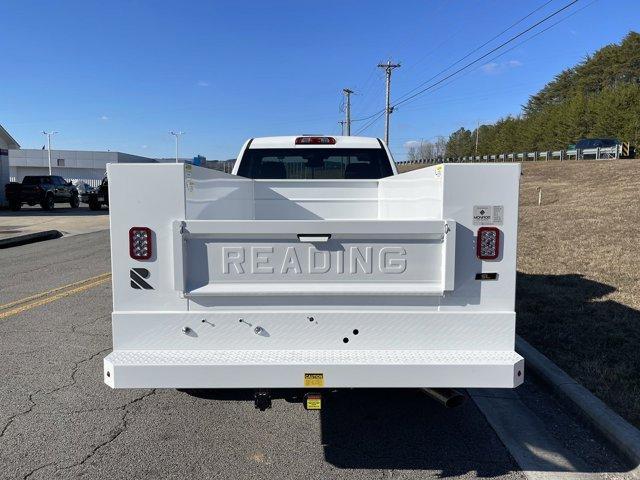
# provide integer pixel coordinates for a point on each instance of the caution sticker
(314, 380)
(313, 402)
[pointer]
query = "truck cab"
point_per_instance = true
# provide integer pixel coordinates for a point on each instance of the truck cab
(314, 265)
(315, 158)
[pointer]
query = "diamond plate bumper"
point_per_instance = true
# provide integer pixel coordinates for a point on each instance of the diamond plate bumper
(287, 368)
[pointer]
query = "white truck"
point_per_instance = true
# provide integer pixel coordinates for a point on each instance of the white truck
(314, 265)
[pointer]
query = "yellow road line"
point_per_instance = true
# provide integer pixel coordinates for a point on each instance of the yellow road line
(39, 299)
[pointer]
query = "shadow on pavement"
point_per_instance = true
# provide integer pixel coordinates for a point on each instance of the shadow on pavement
(404, 429)
(397, 429)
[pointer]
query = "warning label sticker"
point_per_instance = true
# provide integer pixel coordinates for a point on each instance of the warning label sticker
(314, 380)
(314, 402)
(187, 177)
(488, 214)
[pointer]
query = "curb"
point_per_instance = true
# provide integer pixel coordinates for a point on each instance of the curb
(29, 238)
(624, 437)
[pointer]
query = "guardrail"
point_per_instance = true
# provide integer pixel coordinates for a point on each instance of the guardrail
(599, 153)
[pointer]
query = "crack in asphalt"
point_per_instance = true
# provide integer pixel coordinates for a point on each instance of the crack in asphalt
(74, 329)
(33, 403)
(75, 369)
(113, 435)
(124, 424)
(20, 414)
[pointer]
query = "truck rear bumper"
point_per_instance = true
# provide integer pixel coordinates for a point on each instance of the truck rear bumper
(313, 369)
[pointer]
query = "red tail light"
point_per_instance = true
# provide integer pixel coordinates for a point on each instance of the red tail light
(140, 243)
(315, 141)
(488, 243)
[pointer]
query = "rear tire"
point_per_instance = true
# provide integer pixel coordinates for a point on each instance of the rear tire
(15, 206)
(94, 204)
(75, 201)
(48, 203)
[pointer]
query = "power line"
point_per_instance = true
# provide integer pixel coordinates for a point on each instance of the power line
(479, 48)
(540, 32)
(401, 98)
(378, 117)
(367, 99)
(368, 116)
(493, 50)
(368, 84)
(374, 117)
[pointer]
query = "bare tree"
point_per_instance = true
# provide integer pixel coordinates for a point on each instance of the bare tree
(427, 150)
(413, 153)
(440, 147)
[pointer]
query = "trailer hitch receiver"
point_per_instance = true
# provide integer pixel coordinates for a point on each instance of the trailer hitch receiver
(262, 399)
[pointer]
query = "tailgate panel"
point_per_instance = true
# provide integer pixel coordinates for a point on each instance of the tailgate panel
(323, 257)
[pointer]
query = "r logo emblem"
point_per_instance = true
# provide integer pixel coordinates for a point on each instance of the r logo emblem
(138, 276)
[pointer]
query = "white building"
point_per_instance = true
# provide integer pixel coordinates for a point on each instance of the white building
(6, 142)
(86, 166)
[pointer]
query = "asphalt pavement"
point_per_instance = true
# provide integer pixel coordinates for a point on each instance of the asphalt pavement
(67, 220)
(58, 419)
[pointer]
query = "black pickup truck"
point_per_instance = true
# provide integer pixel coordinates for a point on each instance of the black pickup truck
(47, 190)
(98, 197)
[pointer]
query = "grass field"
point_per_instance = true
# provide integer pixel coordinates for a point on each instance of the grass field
(578, 291)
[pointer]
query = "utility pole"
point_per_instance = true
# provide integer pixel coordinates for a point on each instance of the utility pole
(177, 135)
(477, 135)
(48, 135)
(347, 110)
(388, 67)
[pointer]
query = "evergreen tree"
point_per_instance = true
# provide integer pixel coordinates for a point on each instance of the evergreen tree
(599, 97)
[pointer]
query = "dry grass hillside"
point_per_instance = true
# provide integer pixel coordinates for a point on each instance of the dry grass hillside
(578, 293)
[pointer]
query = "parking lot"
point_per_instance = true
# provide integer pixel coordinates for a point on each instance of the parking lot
(58, 419)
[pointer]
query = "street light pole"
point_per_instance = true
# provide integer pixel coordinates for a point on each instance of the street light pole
(48, 135)
(177, 135)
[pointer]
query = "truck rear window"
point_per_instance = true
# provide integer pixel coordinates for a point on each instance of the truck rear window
(315, 163)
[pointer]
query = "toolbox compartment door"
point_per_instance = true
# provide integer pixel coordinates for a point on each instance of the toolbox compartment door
(315, 257)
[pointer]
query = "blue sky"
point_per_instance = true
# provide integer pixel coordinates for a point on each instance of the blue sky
(120, 75)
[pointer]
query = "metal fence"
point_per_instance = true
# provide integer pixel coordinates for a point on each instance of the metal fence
(89, 181)
(599, 153)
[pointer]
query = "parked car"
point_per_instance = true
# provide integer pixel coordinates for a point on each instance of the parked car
(586, 143)
(83, 188)
(46, 190)
(97, 197)
(587, 147)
